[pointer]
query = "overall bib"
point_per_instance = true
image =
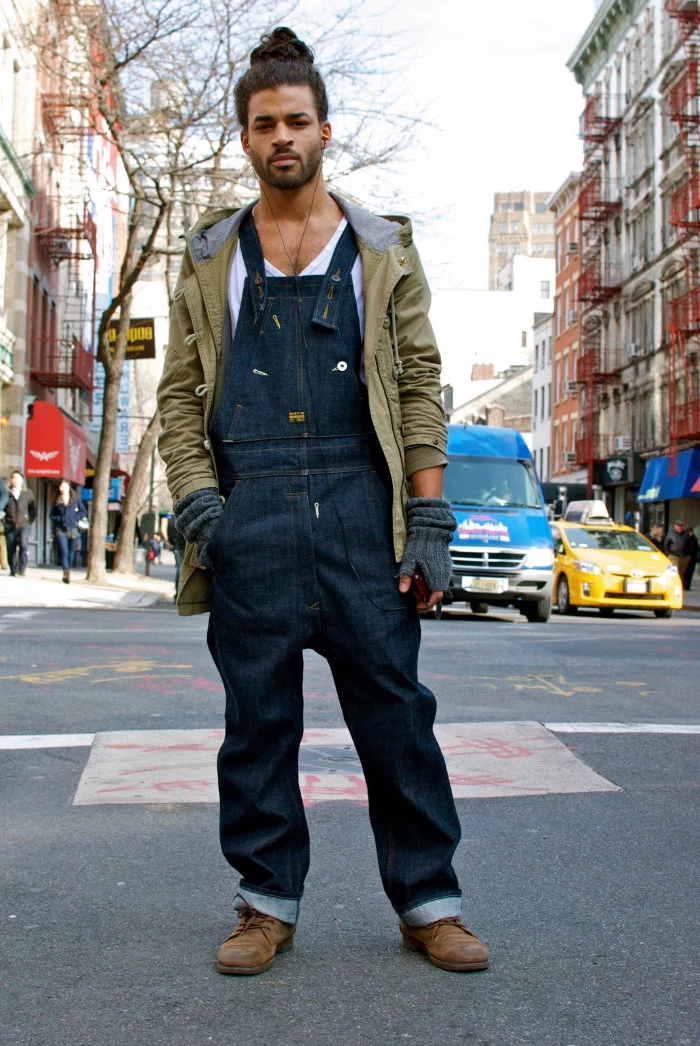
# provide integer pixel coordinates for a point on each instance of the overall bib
(303, 558)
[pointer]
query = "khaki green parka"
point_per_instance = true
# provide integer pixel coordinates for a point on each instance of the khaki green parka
(402, 364)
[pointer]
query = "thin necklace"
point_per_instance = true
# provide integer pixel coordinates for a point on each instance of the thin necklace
(294, 263)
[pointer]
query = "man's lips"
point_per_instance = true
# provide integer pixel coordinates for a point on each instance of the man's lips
(284, 159)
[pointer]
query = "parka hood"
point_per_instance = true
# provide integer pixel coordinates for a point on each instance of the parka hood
(215, 228)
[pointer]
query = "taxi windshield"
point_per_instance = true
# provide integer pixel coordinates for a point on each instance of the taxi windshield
(491, 481)
(606, 538)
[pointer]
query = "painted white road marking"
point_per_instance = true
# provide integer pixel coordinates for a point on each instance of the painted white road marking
(484, 760)
(623, 728)
(46, 741)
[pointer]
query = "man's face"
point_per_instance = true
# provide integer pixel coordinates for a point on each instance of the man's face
(284, 140)
(678, 528)
(15, 480)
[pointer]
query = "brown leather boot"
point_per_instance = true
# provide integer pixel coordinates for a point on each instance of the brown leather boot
(255, 942)
(447, 944)
(66, 577)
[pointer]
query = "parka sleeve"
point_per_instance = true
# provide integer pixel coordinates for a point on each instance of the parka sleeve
(188, 461)
(419, 383)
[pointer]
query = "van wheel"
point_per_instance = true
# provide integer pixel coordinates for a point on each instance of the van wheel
(479, 608)
(667, 612)
(563, 599)
(538, 611)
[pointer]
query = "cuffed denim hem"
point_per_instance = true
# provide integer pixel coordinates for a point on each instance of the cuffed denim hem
(284, 908)
(429, 912)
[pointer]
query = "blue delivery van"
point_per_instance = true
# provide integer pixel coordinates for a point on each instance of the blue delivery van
(502, 551)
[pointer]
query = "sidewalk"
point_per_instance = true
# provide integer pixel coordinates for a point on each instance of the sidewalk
(691, 600)
(43, 587)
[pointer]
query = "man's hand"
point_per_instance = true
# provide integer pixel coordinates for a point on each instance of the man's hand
(405, 581)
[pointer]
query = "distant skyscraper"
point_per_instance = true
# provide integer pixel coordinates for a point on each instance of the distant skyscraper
(520, 224)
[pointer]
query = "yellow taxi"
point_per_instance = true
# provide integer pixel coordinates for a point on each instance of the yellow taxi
(599, 563)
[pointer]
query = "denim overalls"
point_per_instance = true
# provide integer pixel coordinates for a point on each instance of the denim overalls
(303, 558)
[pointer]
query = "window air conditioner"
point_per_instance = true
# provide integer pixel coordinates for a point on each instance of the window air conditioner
(571, 388)
(572, 247)
(568, 457)
(623, 443)
(634, 349)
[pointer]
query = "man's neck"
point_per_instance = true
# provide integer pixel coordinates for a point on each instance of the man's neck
(295, 206)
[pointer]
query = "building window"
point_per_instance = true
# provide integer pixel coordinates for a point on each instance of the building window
(544, 288)
(540, 208)
(502, 227)
(502, 248)
(523, 339)
(505, 207)
(515, 227)
(549, 400)
(519, 206)
(534, 406)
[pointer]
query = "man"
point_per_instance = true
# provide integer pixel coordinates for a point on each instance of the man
(301, 389)
(4, 495)
(676, 547)
(20, 513)
(692, 549)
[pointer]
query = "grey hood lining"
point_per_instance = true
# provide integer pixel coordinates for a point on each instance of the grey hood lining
(378, 233)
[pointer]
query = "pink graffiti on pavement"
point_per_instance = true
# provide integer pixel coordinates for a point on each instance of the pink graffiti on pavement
(494, 746)
(163, 786)
(486, 781)
(316, 788)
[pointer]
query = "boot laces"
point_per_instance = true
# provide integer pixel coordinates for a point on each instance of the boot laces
(251, 919)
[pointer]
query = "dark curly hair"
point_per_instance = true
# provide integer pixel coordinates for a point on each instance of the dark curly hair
(280, 58)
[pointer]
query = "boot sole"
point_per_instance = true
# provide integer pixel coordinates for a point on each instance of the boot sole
(250, 971)
(452, 967)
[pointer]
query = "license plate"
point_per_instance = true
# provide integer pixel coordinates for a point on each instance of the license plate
(635, 586)
(485, 584)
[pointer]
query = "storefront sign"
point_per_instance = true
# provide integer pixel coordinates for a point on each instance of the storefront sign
(141, 342)
(55, 446)
(617, 470)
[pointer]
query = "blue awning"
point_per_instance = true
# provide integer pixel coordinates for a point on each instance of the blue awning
(659, 485)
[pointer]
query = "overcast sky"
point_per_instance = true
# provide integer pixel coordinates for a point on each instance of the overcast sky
(492, 78)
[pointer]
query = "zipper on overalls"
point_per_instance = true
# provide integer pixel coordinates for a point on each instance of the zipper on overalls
(316, 509)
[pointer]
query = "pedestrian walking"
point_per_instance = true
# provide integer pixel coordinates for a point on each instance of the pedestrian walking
(692, 549)
(4, 495)
(309, 491)
(677, 547)
(20, 513)
(656, 535)
(69, 517)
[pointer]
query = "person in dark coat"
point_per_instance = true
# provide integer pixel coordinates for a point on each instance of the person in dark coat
(66, 512)
(676, 546)
(692, 549)
(656, 536)
(20, 513)
(4, 495)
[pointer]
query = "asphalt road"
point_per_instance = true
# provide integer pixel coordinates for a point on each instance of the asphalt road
(112, 911)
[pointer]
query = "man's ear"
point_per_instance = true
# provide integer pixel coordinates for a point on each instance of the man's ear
(244, 142)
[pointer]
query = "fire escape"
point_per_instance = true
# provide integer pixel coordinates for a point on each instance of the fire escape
(65, 232)
(683, 323)
(600, 278)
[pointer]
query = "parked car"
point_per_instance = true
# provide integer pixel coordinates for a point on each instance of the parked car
(502, 551)
(603, 564)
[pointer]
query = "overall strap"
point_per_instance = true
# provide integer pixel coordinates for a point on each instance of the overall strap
(338, 273)
(249, 245)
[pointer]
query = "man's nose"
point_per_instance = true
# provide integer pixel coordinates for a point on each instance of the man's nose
(282, 136)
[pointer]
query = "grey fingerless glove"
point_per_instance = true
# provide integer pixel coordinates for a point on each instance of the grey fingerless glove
(431, 525)
(196, 517)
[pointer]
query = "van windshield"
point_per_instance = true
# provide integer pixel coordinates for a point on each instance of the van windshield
(619, 540)
(491, 481)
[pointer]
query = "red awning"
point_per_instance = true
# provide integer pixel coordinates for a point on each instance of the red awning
(55, 444)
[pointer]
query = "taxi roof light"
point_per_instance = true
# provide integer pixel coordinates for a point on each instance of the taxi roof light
(587, 512)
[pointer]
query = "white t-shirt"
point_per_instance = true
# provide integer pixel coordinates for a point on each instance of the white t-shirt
(318, 267)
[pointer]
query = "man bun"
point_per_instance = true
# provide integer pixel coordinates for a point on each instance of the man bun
(281, 45)
(280, 58)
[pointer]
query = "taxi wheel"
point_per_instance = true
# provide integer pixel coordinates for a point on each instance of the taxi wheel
(666, 612)
(563, 599)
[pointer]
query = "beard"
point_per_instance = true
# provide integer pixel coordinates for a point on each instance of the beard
(294, 178)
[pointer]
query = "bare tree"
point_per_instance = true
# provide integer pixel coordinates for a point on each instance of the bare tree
(158, 77)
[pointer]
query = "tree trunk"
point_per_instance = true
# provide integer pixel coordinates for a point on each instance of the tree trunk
(97, 570)
(124, 556)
